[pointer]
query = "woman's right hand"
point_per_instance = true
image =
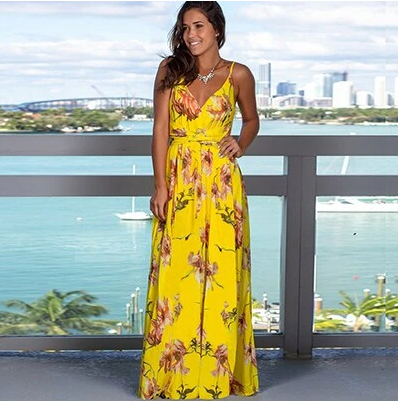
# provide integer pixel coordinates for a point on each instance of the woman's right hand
(158, 203)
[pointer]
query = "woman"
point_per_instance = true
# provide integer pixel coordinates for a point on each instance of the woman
(198, 340)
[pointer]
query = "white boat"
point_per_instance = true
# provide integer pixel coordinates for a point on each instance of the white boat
(134, 215)
(359, 205)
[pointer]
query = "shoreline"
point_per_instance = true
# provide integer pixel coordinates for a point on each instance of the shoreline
(365, 123)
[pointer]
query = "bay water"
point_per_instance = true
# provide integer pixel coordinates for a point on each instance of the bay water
(77, 243)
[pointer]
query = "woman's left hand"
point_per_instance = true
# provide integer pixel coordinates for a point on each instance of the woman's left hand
(229, 147)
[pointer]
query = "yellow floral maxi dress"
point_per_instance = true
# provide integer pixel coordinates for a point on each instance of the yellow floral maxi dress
(198, 338)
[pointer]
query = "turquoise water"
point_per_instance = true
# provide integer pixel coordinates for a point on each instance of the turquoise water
(78, 243)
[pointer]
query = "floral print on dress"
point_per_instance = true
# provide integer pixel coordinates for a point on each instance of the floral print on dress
(207, 161)
(220, 108)
(186, 105)
(198, 335)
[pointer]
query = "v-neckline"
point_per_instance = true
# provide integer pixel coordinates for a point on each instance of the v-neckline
(222, 86)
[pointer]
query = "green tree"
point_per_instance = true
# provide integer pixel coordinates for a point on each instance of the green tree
(391, 305)
(55, 313)
(325, 322)
(370, 305)
(392, 309)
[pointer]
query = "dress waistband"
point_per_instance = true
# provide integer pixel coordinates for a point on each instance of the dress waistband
(185, 139)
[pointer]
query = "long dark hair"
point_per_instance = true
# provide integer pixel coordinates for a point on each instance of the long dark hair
(181, 65)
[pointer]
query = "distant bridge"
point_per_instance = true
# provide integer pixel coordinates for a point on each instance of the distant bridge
(88, 103)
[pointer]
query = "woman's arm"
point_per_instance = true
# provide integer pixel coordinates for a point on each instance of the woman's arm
(246, 99)
(160, 140)
(244, 84)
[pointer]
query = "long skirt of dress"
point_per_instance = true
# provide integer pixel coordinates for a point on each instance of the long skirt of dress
(198, 337)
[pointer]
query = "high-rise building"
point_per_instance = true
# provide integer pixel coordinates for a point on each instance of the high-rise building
(339, 76)
(322, 85)
(263, 102)
(380, 94)
(319, 85)
(264, 82)
(396, 92)
(342, 94)
(328, 85)
(286, 88)
(363, 99)
(336, 77)
(309, 91)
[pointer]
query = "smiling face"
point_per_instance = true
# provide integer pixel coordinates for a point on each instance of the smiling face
(198, 33)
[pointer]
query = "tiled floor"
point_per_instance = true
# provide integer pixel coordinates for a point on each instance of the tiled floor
(334, 375)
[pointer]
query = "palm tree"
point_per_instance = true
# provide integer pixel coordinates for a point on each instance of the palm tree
(55, 313)
(391, 305)
(392, 310)
(371, 305)
(327, 320)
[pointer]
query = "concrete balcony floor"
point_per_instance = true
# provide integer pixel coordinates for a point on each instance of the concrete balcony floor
(331, 375)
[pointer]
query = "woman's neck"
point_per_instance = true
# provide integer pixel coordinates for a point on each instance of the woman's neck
(207, 62)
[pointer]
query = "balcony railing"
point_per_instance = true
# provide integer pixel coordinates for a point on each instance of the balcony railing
(299, 185)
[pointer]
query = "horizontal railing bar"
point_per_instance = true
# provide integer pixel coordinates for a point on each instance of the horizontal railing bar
(75, 145)
(140, 145)
(111, 342)
(125, 185)
(353, 340)
(111, 185)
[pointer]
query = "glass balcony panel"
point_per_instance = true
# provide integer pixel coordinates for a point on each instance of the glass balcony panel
(265, 227)
(356, 282)
(52, 246)
(261, 165)
(72, 244)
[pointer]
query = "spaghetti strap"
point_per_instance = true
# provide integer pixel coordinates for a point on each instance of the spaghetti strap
(231, 67)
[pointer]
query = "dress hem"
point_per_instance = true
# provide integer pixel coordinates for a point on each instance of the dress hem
(251, 394)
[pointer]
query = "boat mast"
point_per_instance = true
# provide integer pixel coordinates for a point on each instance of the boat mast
(133, 197)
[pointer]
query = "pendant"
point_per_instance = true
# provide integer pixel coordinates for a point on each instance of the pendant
(206, 78)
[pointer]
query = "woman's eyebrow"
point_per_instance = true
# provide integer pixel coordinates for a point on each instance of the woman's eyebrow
(195, 22)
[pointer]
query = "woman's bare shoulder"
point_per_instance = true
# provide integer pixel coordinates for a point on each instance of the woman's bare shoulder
(163, 64)
(162, 69)
(241, 71)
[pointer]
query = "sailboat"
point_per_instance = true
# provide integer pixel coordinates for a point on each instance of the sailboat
(134, 215)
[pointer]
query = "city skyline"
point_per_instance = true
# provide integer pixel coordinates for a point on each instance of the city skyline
(63, 49)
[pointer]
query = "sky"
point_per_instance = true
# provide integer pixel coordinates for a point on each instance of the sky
(70, 49)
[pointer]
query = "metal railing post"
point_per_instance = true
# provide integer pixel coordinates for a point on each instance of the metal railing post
(290, 256)
(307, 260)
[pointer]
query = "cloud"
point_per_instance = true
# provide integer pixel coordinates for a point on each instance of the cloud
(323, 14)
(123, 9)
(78, 49)
(63, 48)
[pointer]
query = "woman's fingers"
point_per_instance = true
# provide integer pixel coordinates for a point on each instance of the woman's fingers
(162, 211)
(158, 208)
(229, 148)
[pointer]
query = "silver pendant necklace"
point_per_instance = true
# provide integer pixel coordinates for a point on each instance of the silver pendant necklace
(206, 78)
